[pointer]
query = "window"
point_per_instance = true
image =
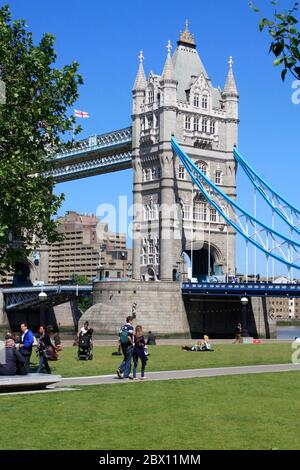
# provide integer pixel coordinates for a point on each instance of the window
(218, 177)
(150, 96)
(212, 127)
(196, 101)
(203, 167)
(188, 122)
(204, 102)
(150, 251)
(181, 172)
(186, 212)
(119, 274)
(213, 215)
(200, 211)
(196, 124)
(106, 273)
(204, 125)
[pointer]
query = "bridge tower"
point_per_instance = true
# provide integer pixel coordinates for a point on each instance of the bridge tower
(172, 218)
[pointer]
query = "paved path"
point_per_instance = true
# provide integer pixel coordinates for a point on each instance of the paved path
(181, 374)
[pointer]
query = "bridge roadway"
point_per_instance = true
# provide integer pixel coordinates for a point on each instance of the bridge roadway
(17, 298)
(262, 289)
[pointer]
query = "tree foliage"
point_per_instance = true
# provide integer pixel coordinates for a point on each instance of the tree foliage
(285, 44)
(33, 121)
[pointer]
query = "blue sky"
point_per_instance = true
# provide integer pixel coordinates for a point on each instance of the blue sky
(105, 38)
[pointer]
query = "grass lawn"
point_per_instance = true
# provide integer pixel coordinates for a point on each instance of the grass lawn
(172, 358)
(241, 412)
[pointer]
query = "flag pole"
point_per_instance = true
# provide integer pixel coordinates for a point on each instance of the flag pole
(73, 129)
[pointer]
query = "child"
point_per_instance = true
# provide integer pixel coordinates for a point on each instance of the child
(139, 352)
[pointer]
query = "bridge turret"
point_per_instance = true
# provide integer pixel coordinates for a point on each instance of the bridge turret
(138, 99)
(231, 100)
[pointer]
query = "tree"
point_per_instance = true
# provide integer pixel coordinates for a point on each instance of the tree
(285, 38)
(33, 122)
(85, 301)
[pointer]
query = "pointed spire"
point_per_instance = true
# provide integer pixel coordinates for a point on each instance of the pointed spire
(230, 86)
(169, 73)
(140, 81)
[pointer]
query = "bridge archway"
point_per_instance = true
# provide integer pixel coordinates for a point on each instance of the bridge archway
(199, 267)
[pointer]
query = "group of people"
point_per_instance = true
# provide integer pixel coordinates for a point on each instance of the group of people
(134, 349)
(199, 345)
(18, 351)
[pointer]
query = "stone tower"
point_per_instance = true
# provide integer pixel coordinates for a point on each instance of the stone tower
(172, 219)
(173, 226)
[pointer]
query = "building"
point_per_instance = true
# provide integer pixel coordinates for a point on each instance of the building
(171, 218)
(176, 219)
(80, 250)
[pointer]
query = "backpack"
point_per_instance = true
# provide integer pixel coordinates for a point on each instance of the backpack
(124, 337)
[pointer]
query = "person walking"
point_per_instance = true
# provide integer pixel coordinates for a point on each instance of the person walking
(139, 352)
(45, 348)
(126, 342)
(26, 343)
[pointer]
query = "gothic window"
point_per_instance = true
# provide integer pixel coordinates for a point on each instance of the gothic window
(188, 122)
(196, 101)
(150, 251)
(212, 127)
(153, 174)
(196, 124)
(213, 215)
(150, 122)
(203, 167)
(204, 102)
(151, 96)
(181, 172)
(218, 177)
(204, 125)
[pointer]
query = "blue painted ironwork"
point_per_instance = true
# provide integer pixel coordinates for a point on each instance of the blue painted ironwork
(21, 297)
(286, 211)
(241, 289)
(283, 249)
(98, 154)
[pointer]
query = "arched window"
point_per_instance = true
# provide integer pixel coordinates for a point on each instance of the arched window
(196, 123)
(202, 166)
(204, 125)
(196, 101)
(204, 102)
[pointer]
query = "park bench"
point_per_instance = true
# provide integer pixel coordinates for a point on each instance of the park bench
(14, 383)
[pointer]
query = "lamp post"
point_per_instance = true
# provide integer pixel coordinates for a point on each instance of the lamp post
(245, 302)
(42, 298)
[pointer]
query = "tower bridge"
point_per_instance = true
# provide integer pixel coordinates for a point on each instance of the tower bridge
(182, 148)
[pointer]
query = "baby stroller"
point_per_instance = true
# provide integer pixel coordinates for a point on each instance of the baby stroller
(85, 346)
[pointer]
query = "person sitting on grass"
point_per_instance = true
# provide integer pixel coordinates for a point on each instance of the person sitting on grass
(195, 347)
(139, 352)
(205, 345)
(14, 361)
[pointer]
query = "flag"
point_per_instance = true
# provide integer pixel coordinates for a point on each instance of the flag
(81, 114)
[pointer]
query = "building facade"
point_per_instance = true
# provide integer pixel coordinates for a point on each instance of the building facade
(83, 253)
(172, 219)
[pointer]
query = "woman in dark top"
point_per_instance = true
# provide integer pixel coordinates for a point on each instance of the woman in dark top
(139, 351)
(45, 350)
